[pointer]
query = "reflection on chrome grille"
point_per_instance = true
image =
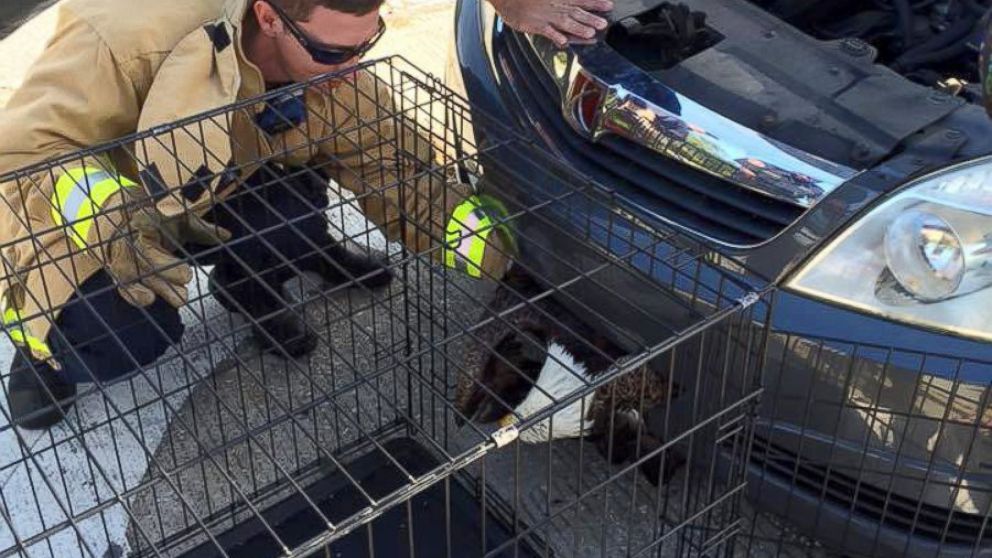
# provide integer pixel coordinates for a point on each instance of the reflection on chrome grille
(708, 205)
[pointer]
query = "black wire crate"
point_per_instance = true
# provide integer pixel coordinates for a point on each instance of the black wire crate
(343, 375)
(869, 450)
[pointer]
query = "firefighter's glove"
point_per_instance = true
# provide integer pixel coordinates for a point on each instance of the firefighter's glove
(136, 245)
(478, 238)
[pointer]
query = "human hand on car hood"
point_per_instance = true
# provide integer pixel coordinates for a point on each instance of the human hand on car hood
(561, 21)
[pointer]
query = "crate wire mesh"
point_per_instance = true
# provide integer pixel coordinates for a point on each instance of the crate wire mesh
(219, 448)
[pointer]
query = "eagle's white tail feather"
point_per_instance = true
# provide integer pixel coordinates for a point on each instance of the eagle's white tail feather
(562, 375)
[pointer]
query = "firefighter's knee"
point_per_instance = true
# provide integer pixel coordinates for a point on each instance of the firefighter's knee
(99, 336)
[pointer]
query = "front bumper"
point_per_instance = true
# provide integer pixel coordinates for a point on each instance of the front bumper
(872, 448)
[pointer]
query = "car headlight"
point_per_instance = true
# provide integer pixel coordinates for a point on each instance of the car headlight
(924, 256)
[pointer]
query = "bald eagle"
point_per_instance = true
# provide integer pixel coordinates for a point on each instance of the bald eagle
(540, 354)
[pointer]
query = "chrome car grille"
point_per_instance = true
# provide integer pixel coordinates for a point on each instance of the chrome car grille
(712, 207)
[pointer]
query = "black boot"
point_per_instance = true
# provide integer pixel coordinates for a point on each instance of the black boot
(277, 329)
(31, 405)
(337, 266)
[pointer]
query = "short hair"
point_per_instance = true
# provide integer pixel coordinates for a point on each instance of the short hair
(300, 10)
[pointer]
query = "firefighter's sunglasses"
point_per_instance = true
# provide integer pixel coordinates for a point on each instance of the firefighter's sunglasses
(325, 54)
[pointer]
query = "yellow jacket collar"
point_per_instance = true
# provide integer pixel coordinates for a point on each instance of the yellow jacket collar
(235, 10)
(234, 14)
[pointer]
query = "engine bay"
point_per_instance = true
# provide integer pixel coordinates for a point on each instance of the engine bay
(930, 42)
(850, 81)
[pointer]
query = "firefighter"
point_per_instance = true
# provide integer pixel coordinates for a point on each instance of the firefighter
(97, 252)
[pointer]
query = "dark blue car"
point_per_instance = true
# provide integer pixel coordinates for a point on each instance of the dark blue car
(838, 150)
